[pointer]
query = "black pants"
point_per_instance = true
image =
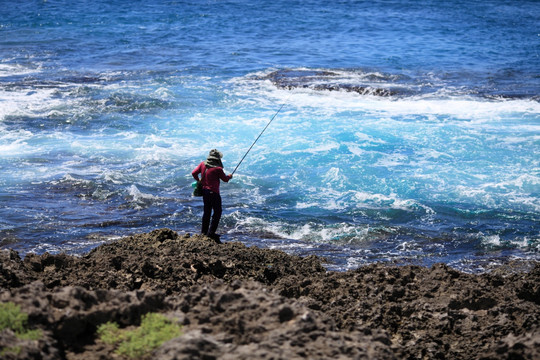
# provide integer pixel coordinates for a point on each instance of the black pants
(212, 202)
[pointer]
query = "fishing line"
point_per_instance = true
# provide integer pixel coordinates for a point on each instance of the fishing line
(247, 152)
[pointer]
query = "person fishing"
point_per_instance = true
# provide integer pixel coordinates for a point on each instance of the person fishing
(211, 172)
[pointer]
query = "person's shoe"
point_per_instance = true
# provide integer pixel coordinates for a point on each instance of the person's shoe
(215, 237)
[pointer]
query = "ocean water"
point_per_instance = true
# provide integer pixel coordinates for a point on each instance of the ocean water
(409, 133)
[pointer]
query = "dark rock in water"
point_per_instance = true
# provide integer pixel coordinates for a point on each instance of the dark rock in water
(375, 83)
(248, 303)
(321, 81)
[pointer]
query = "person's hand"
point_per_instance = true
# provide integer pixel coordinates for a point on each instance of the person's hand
(230, 176)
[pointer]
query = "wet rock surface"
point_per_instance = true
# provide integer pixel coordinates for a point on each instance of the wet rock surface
(322, 80)
(236, 302)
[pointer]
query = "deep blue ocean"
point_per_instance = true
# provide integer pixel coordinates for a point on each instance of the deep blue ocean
(409, 133)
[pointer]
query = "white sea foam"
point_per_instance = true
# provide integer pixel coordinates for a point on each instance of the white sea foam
(164, 93)
(495, 241)
(432, 106)
(333, 176)
(355, 149)
(361, 137)
(15, 143)
(309, 232)
(518, 182)
(370, 200)
(27, 103)
(139, 199)
(391, 160)
(16, 70)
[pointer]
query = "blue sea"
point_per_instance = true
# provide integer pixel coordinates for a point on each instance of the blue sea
(409, 133)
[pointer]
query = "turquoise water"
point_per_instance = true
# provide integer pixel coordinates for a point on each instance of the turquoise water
(410, 130)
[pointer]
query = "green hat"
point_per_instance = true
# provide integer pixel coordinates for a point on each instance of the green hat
(214, 159)
(214, 153)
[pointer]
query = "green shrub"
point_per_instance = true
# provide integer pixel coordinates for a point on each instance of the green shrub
(109, 333)
(11, 317)
(155, 329)
(15, 350)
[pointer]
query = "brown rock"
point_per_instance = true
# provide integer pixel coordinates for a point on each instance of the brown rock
(247, 303)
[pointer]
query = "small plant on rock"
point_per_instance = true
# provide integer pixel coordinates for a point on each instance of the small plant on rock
(155, 329)
(12, 318)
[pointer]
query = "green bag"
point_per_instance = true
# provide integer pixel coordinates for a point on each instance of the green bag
(198, 188)
(198, 191)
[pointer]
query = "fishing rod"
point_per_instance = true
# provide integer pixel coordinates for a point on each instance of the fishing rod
(247, 152)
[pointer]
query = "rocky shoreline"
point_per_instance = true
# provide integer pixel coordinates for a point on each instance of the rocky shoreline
(236, 302)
